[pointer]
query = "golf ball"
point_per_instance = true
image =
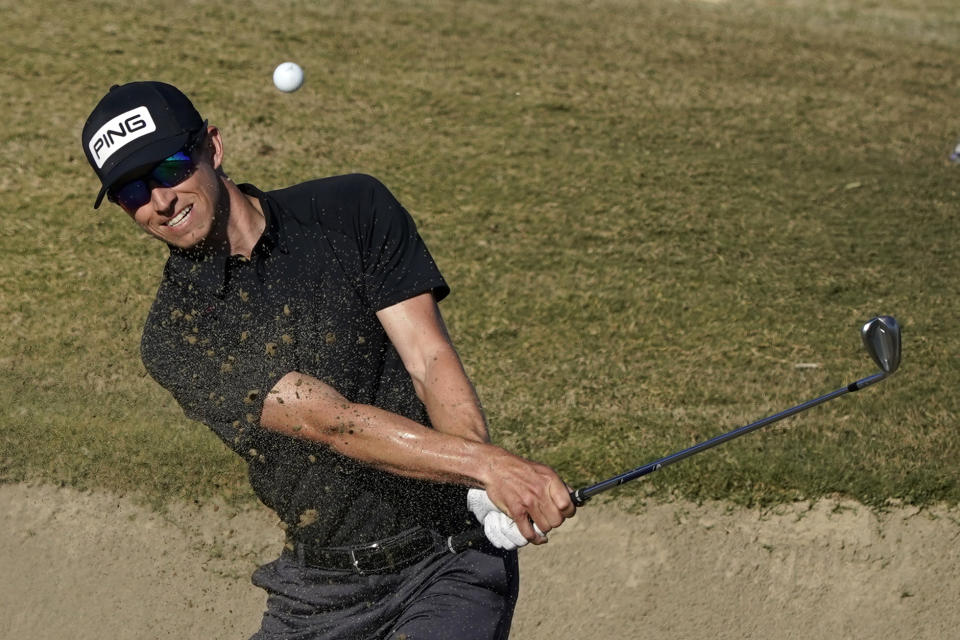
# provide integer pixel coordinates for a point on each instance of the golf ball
(288, 76)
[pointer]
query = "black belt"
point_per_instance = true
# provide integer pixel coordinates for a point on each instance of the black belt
(383, 556)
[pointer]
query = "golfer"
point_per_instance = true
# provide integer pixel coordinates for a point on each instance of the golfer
(301, 325)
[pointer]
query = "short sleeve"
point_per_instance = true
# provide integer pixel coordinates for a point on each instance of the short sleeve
(395, 261)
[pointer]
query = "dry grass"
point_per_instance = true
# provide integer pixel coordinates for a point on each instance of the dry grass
(650, 213)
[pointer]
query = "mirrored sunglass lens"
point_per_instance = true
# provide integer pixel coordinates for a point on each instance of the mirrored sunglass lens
(179, 156)
(133, 195)
(172, 172)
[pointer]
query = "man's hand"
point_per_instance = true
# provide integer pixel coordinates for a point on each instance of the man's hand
(499, 529)
(530, 493)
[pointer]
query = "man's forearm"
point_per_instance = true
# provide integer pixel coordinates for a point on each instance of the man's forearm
(451, 400)
(303, 407)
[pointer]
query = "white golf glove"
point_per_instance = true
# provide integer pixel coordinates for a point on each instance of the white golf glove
(501, 531)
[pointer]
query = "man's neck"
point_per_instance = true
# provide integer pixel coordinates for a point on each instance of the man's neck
(240, 221)
(248, 222)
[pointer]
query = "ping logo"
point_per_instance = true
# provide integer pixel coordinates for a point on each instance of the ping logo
(123, 129)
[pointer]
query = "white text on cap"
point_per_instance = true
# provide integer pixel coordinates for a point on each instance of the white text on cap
(119, 131)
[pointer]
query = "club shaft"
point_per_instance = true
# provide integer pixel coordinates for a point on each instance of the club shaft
(580, 496)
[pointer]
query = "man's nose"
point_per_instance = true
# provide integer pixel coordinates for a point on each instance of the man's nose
(163, 198)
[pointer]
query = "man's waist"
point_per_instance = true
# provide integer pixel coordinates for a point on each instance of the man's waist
(387, 555)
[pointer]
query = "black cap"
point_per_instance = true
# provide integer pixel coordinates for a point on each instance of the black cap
(134, 127)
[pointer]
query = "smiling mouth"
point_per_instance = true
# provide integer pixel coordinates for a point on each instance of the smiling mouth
(177, 220)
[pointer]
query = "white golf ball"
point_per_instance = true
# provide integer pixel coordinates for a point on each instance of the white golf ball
(288, 76)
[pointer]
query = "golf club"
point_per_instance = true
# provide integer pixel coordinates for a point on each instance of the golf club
(881, 338)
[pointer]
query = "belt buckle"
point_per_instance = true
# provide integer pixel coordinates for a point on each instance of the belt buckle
(355, 562)
(378, 559)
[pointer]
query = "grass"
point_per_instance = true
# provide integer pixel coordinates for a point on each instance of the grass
(650, 212)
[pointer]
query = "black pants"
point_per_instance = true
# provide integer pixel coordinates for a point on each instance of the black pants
(465, 596)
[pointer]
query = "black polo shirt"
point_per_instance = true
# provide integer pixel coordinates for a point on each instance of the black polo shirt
(223, 330)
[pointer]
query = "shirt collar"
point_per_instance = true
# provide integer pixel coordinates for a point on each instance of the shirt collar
(198, 270)
(273, 232)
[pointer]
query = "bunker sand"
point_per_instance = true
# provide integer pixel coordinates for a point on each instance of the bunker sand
(93, 565)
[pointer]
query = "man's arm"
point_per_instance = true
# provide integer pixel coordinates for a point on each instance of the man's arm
(304, 407)
(417, 331)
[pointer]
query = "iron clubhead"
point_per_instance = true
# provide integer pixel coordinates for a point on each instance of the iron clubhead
(881, 337)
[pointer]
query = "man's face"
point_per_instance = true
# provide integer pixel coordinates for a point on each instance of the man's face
(185, 214)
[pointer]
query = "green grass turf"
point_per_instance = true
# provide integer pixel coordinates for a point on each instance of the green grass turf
(654, 215)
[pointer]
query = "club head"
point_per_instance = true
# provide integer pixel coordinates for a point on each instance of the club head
(881, 337)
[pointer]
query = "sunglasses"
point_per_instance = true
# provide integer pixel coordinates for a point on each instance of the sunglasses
(169, 173)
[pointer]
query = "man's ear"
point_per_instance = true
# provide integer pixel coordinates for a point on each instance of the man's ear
(214, 146)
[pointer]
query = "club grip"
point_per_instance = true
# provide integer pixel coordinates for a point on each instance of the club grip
(466, 540)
